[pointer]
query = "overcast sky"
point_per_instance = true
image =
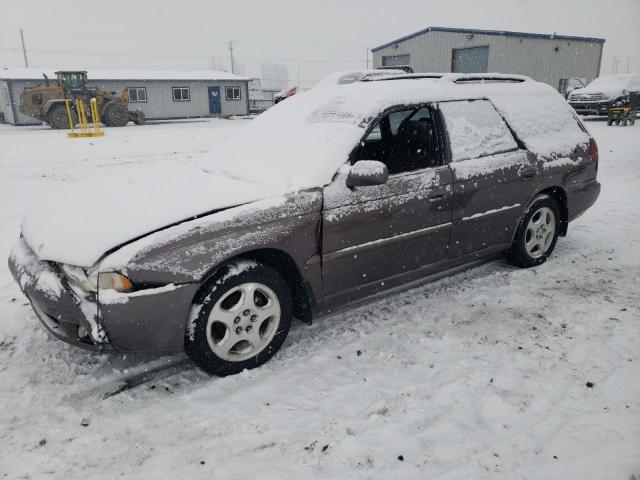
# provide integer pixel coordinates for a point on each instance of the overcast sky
(311, 38)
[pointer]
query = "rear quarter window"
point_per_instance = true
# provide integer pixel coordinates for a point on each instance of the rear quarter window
(475, 129)
(541, 118)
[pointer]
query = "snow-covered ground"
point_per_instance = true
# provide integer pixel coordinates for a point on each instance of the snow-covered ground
(481, 375)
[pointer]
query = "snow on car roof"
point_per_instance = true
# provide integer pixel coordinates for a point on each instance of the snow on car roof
(612, 82)
(92, 74)
(302, 142)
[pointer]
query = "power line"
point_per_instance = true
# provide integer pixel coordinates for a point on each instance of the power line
(206, 57)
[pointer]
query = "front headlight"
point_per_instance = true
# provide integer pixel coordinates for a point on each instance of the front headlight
(77, 277)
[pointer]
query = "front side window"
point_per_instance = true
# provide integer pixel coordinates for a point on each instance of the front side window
(404, 140)
(181, 94)
(233, 93)
(138, 94)
(475, 129)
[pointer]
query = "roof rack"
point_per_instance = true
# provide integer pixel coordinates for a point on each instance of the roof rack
(407, 76)
(484, 77)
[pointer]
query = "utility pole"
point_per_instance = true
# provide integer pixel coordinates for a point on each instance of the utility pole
(231, 54)
(24, 49)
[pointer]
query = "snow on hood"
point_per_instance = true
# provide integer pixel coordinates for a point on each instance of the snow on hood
(79, 223)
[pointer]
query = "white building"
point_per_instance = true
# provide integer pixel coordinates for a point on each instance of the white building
(159, 94)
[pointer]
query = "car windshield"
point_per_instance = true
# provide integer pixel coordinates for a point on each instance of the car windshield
(299, 143)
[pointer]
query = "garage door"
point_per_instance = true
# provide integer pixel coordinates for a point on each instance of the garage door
(470, 60)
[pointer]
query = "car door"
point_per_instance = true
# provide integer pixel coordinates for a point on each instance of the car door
(376, 232)
(493, 176)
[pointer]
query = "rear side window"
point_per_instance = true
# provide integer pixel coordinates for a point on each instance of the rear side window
(475, 129)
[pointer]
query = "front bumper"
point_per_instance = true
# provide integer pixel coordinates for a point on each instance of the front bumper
(151, 320)
(592, 108)
(61, 310)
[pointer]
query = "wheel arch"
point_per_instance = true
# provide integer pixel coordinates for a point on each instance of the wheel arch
(285, 265)
(50, 104)
(559, 194)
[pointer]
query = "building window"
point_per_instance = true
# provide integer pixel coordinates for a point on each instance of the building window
(395, 60)
(562, 85)
(181, 94)
(5, 94)
(137, 94)
(233, 93)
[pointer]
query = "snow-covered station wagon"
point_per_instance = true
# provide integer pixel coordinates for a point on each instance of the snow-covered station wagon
(329, 198)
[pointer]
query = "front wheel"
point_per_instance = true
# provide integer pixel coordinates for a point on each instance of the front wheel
(537, 233)
(240, 319)
(58, 117)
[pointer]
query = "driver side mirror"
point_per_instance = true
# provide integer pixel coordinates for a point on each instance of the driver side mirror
(365, 173)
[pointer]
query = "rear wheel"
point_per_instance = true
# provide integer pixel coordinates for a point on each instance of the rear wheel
(115, 114)
(537, 233)
(240, 319)
(58, 117)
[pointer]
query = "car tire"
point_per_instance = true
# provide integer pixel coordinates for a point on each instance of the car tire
(537, 233)
(239, 319)
(58, 117)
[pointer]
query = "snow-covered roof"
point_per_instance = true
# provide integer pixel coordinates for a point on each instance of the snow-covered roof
(36, 74)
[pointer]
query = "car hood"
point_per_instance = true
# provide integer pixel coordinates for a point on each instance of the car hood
(605, 92)
(79, 223)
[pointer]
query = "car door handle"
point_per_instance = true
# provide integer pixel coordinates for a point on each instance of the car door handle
(528, 172)
(436, 197)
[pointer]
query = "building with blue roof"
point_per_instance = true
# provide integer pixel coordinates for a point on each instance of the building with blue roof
(559, 60)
